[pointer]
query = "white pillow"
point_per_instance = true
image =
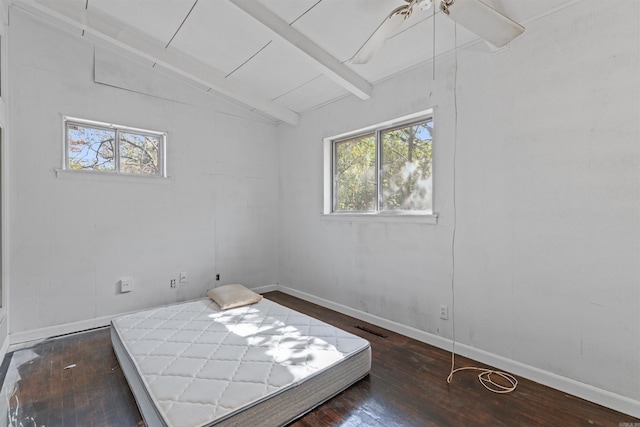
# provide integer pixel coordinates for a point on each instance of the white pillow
(231, 296)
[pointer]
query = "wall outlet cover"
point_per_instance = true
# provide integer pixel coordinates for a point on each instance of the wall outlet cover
(444, 312)
(126, 284)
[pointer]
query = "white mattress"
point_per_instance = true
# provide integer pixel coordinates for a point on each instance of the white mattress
(193, 365)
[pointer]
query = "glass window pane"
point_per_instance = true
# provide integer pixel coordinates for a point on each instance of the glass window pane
(139, 154)
(91, 148)
(406, 168)
(355, 163)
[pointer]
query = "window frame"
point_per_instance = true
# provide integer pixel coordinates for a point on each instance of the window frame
(162, 164)
(330, 172)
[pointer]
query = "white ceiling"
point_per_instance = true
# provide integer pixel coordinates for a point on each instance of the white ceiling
(280, 57)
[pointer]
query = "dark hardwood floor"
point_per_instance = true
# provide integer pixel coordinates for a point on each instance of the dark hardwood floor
(406, 387)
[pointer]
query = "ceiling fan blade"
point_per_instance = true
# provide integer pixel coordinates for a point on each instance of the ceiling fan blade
(381, 34)
(482, 20)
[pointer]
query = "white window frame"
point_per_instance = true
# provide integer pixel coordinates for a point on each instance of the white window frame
(328, 148)
(162, 164)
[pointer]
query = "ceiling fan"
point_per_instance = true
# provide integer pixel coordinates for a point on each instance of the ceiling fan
(476, 16)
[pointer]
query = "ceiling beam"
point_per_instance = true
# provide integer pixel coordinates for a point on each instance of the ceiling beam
(105, 28)
(328, 64)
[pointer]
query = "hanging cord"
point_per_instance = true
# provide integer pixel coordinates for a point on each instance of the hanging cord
(433, 46)
(484, 375)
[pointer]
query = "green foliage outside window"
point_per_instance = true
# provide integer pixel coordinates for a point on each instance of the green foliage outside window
(356, 174)
(404, 157)
(407, 154)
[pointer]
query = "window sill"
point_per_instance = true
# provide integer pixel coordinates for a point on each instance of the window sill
(102, 176)
(397, 218)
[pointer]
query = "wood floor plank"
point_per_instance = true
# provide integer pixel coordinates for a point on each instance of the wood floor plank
(406, 387)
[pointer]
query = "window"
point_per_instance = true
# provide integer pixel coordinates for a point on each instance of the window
(108, 148)
(386, 169)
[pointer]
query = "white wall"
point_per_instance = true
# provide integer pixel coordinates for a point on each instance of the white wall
(4, 340)
(547, 189)
(72, 238)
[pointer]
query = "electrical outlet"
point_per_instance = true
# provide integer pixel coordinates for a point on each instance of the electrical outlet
(444, 312)
(173, 283)
(126, 284)
(183, 277)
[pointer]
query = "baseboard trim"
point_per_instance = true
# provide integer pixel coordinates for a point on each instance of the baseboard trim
(4, 349)
(266, 288)
(17, 339)
(584, 391)
(4, 327)
(567, 385)
(372, 318)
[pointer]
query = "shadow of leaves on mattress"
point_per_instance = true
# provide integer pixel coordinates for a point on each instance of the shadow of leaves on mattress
(282, 347)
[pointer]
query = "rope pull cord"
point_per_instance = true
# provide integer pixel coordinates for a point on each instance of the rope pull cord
(484, 375)
(485, 379)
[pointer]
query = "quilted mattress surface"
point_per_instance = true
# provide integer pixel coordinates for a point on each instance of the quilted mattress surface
(200, 365)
